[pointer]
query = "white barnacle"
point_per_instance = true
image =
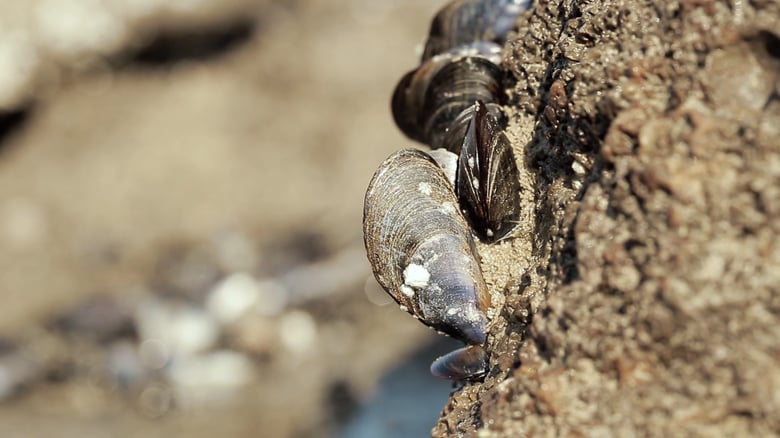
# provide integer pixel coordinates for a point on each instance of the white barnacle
(415, 276)
(471, 313)
(448, 208)
(424, 188)
(475, 183)
(408, 291)
(404, 308)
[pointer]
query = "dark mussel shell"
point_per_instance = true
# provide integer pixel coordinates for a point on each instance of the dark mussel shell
(452, 138)
(405, 106)
(427, 101)
(487, 177)
(467, 363)
(453, 90)
(464, 21)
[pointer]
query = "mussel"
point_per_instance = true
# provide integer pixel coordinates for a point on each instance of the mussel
(428, 101)
(464, 21)
(460, 65)
(487, 179)
(419, 243)
(420, 248)
(467, 363)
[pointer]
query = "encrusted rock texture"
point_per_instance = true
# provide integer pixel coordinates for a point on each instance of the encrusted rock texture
(647, 301)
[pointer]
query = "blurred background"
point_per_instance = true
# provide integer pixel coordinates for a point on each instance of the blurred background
(181, 188)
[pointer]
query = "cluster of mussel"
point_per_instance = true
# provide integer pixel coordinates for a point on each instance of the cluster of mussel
(422, 209)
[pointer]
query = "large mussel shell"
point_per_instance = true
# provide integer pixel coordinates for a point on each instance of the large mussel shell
(454, 89)
(427, 101)
(487, 178)
(420, 247)
(464, 21)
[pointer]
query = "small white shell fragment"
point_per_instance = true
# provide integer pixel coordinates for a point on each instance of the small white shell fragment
(298, 331)
(416, 276)
(184, 330)
(408, 291)
(232, 297)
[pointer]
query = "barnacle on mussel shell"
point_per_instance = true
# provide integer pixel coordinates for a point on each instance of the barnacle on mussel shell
(487, 178)
(467, 363)
(420, 248)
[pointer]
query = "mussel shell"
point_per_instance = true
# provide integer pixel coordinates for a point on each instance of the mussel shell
(427, 101)
(467, 363)
(420, 248)
(453, 137)
(454, 89)
(487, 178)
(448, 162)
(464, 21)
(405, 108)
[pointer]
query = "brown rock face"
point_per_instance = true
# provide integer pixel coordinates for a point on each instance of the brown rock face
(649, 303)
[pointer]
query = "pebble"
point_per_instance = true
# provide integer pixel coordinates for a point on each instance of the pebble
(232, 297)
(298, 331)
(210, 378)
(185, 330)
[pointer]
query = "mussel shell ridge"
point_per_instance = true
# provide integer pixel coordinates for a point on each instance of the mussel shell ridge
(420, 248)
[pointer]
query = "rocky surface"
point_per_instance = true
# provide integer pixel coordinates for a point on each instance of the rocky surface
(648, 303)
